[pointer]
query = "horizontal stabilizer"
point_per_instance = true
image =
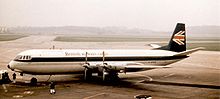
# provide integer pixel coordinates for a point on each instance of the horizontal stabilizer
(184, 53)
(154, 45)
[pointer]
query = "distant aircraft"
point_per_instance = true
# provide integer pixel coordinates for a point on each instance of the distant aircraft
(107, 63)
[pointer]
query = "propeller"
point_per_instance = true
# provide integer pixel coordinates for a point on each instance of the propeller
(86, 65)
(104, 66)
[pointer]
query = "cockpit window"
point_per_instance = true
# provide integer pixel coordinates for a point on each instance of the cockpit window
(23, 57)
(26, 57)
(18, 57)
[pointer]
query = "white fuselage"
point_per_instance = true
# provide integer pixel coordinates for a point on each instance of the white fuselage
(57, 61)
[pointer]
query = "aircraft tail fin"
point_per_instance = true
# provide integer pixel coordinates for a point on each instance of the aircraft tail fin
(178, 40)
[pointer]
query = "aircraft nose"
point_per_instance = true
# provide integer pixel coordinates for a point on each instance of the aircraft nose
(10, 67)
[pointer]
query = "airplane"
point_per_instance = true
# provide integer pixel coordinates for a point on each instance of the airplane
(106, 63)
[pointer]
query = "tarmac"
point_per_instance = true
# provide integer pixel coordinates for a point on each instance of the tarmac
(197, 77)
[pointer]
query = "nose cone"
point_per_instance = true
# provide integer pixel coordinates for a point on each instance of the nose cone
(10, 66)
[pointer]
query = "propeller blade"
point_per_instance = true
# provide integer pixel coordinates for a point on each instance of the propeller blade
(103, 74)
(85, 74)
(86, 58)
(103, 57)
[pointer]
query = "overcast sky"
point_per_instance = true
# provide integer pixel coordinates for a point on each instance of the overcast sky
(146, 14)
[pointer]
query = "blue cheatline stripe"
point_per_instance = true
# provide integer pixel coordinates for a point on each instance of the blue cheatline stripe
(80, 59)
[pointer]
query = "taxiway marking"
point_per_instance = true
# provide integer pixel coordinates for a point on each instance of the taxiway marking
(94, 95)
(150, 79)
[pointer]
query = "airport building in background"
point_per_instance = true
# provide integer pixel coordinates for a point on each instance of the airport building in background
(3, 29)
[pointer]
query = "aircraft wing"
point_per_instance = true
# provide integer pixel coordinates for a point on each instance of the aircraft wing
(146, 67)
(142, 66)
(187, 52)
(127, 65)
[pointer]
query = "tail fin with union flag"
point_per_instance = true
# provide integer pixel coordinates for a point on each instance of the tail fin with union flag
(178, 40)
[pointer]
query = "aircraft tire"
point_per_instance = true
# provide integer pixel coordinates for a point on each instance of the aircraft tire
(33, 81)
(112, 77)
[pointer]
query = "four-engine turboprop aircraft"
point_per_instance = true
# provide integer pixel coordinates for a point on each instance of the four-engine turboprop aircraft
(107, 63)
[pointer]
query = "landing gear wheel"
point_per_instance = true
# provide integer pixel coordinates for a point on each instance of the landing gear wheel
(33, 81)
(111, 77)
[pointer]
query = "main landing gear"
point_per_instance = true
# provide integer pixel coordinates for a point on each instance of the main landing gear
(33, 81)
(105, 74)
